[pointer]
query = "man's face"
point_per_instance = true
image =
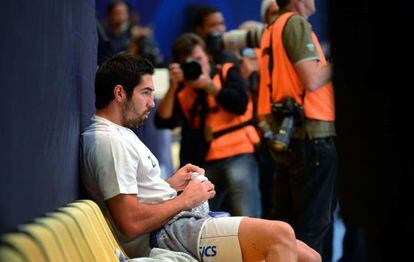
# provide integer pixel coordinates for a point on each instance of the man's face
(200, 55)
(136, 109)
(212, 23)
(119, 14)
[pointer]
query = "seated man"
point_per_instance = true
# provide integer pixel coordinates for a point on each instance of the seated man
(123, 177)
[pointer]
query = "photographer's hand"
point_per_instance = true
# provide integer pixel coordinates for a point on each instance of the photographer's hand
(176, 75)
(249, 65)
(204, 82)
(166, 106)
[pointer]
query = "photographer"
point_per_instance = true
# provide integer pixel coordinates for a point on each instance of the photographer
(211, 104)
(296, 104)
(296, 97)
(209, 24)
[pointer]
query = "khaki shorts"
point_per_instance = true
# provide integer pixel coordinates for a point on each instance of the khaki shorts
(219, 240)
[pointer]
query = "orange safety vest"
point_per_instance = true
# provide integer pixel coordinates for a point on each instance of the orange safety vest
(238, 141)
(284, 81)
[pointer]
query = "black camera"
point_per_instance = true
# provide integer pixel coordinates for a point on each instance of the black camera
(280, 141)
(290, 115)
(191, 69)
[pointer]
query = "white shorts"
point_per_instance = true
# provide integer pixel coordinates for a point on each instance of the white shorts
(219, 240)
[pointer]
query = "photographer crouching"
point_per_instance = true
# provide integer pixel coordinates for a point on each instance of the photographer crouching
(212, 106)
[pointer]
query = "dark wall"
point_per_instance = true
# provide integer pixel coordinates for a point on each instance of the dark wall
(374, 112)
(47, 65)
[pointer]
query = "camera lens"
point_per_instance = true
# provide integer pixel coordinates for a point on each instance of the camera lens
(191, 70)
(282, 139)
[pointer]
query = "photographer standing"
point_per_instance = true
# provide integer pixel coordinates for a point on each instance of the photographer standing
(212, 106)
(209, 24)
(296, 99)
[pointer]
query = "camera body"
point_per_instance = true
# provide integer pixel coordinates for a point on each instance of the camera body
(191, 69)
(290, 115)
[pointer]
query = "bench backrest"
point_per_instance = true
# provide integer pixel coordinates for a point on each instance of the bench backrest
(76, 232)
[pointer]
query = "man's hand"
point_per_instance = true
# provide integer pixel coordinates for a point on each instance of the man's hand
(182, 177)
(249, 66)
(197, 192)
(201, 83)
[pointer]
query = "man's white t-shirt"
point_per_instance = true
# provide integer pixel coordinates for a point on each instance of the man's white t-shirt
(115, 161)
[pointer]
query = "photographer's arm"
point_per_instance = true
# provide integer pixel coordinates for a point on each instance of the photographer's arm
(166, 107)
(303, 53)
(233, 97)
(167, 111)
(313, 75)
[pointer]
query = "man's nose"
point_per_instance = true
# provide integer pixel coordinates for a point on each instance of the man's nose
(151, 102)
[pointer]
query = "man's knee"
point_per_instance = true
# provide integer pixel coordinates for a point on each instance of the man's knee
(311, 256)
(316, 257)
(306, 253)
(282, 233)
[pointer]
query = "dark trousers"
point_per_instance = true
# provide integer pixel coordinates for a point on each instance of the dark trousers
(305, 188)
(266, 177)
(236, 181)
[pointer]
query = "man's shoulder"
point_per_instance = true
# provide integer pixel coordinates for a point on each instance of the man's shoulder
(294, 19)
(102, 128)
(297, 21)
(105, 137)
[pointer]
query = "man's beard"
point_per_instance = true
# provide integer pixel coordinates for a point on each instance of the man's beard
(135, 122)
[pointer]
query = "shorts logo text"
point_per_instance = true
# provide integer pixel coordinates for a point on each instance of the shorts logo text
(208, 251)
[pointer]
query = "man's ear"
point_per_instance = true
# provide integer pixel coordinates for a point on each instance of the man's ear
(119, 93)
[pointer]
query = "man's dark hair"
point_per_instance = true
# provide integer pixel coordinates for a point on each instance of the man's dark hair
(202, 12)
(184, 46)
(282, 3)
(122, 69)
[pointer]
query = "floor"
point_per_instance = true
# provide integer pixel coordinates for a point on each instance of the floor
(339, 231)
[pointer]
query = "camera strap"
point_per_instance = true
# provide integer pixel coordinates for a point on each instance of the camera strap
(200, 108)
(233, 128)
(269, 51)
(270, 65)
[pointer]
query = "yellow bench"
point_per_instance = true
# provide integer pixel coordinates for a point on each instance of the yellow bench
(76, 232)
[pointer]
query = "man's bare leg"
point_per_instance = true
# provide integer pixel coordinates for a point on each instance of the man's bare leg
(272, 241)
(306, 253)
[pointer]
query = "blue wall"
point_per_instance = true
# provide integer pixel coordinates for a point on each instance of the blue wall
(168, 18)
(47, 66)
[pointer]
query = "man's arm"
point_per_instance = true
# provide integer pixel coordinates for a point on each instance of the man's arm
(313, 75)
(134, 219)
(300, 46)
